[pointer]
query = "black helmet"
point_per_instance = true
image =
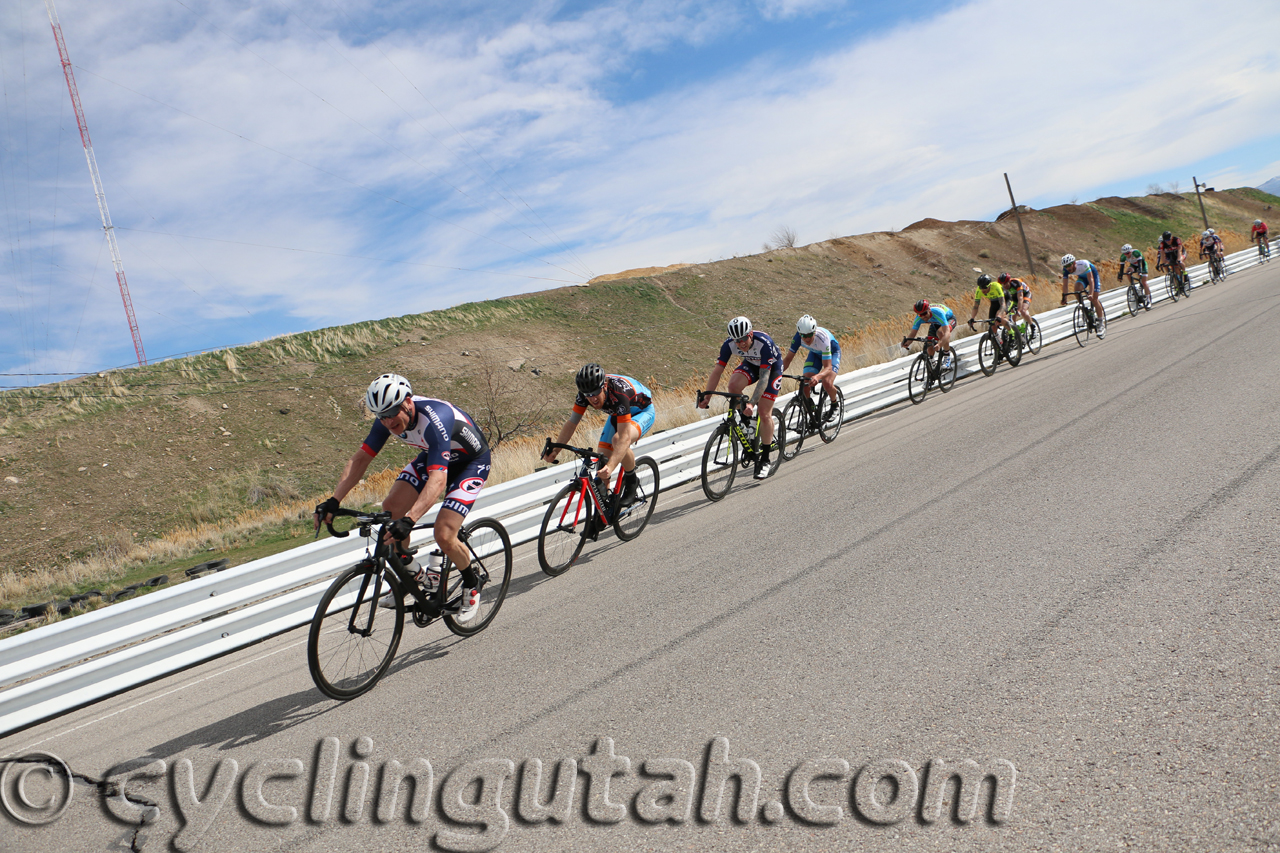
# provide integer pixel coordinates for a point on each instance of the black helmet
(590, 379)
(984, 280)
(1166, 236)
(922, 307)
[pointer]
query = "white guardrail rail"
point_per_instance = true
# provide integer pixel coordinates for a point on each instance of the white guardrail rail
(62, 666)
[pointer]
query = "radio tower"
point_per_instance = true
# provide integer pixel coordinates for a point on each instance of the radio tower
(97, 183)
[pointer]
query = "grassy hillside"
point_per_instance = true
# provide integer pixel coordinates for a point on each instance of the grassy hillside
(177, 451)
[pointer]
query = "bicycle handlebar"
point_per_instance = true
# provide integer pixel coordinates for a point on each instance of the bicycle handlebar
(733, 398)
(583, 452)
(363, 518)
(928, 340)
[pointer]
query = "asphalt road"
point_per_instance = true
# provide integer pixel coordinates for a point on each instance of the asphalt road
(1065, 573)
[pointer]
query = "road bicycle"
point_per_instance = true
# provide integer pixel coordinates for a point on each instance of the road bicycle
(735, 442)
(1134, 294)
(357, 625)
(1264, 251)
(1084, 321)
(1217, 269)
(1030, 334)
(580, 511)
(998, 344)
(1176, 280)
(929, 371)
(810, 411)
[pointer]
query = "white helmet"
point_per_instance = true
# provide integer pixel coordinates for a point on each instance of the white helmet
(1210, 232)
(739, 327)
(386, 393)
(1257, 222)
(1126, 249)
(1068, 260)
(806, 325)
(1206, 233)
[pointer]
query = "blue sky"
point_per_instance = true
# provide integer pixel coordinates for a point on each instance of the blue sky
(273, 167)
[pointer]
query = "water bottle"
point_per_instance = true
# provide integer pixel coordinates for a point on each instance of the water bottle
(435, 562)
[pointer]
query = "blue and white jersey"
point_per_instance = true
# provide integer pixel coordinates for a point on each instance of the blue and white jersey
(823, 344)
(1083, 270)
(940, 314)
(441, 429)
(763, 352)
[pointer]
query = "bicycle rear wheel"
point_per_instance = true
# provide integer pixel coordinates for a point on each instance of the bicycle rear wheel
(918, 378)
(1012, 343)
(630, 520)
(795, 420)
(352, 639)
(779, 441)
(719, 463)
(1034, 340)
(1080, 325)
(948, 374)
(491, 558)
(563, 530)
(829, 427)
(987, 353)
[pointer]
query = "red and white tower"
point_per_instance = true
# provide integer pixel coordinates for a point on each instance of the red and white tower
(97, 183)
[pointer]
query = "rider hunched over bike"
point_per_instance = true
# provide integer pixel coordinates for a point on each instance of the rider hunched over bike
(1258, 234)
(992, 291)
(822, 364)
(1089, 282)
(942, 321)
(629, 405)
(1017, 294)
(1131, 261)
(1172, 257)
(762, 364)
(454, 463)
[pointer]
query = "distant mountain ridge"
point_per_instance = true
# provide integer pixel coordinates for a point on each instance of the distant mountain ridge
(1272, 186)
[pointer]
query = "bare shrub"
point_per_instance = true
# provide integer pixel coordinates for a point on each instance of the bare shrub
(506, 411)
(783, 238)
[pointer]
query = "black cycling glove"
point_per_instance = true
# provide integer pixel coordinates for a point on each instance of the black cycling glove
(401, 528)
(329, 507)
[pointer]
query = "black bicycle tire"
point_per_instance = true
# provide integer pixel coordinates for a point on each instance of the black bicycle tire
(1133, 298)
(1080, 325)
(779, 438)
(918, 379)
(558, 568)
(987, 353)
(1035, 338)
(627, 532)
(828, 431)
(947, 376)
(721, 436)
(315, 655)
(796, 420)
(1012, 346)
(491, 598)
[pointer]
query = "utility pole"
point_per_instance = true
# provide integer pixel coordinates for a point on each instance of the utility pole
(1198, 187)
(97, 183)
(1031, 267)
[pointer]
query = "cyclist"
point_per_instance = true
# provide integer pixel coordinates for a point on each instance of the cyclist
(1087, 278)
(992, 291)
(1017, 294)
(629, 405)
(822, 364)
(454, 464)
(1136, 264)
(941, 322)
(758, 353)
(1172, 256)
(1258, 234)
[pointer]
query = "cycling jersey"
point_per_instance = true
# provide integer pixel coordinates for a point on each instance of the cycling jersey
(763, 352)
(939, 315)
(824, 344)
(1259, 230)
(1211, 244)
(1137, 263)
(623, 397)
(1017, 289)
(442, 431)
(992, 291)
(1170, 252)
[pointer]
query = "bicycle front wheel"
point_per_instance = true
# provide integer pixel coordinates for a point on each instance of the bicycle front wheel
(918, 378)
(631, 519)
(1171, 282)
(1080, 325)
(353, 639)
(987, 353)
(1134, 297)
(719, 463)
(1034, 341)
(563, 530)
(829, 426)
(491, 559)
(795, 420)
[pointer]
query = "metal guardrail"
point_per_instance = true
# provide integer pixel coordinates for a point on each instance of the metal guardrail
(58, 667)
